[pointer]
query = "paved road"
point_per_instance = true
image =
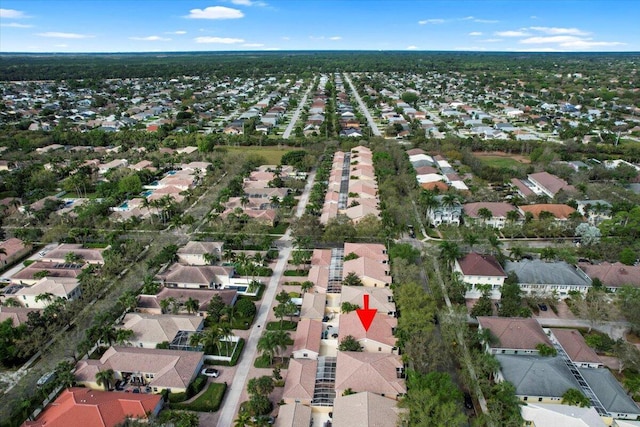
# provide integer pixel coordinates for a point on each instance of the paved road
(296, 114)
(35, 257)
(232, 398)
(363, 107)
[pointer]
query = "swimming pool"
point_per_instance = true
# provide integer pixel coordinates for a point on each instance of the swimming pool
(147, 193)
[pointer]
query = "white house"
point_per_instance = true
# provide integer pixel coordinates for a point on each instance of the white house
(480, 272)
(48, 289)
(445, 213)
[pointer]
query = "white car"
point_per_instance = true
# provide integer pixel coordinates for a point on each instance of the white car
(210, 372)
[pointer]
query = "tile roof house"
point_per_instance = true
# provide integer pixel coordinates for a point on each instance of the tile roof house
(300, 382)
(151, 303)
(89, 256)
(514, 335)
(379, 373)
(553, 414)
(18, 315)
(612, 276)
(499, 211)
(194, 253)
(150, 329)
(548, 277)
(313, 306)
(380, 299)
(306, 344)
(15, 249)
(196, 277)
(559, 211)
(365, 409)
(293, 415)
(54, 269)
(375, 251)
(537, 378)
(372, 272)
(158, 369)
(480, 271)
(57, 287)
(549, 184)
(380, 336)
(82, 407)
(576, 348)
(610, 393)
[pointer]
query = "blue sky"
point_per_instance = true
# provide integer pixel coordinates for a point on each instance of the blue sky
(224, 25)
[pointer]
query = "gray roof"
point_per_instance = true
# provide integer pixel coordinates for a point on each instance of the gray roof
(539, 272)
(537, 375)
(609, 391)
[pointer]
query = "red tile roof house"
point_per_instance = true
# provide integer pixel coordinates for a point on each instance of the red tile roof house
(15, 249)
(372, 272)
(378, 339)
(546, 183)
(82, 407)
(576, 348)
(54, 269)
(379, 373)
(380, 299)
(306, 344)
(498, 211)
(613, 276)
(196, 276)
(560, 212)
(300, 381)
(480, 272)
(158, 369)
(513, 335)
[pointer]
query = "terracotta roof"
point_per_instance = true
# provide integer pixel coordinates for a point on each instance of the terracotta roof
(551, 182)
(313, 305)
(498, 209)
(373, 372)
(301, 379)
(379, 298)
(439, 185)
(293, 415)
(82, 407)
(425, 170)
(12, 246)
(515, 332)
(415, 151)
(474, 264)
(613, 275)
(558, 210)
(171, 368)
(364, 409)
(54, 269)
(18, 315)
(308, 334)
(367, 267)
(575, 346)
(375, 251)
(321, 257)
(319, 275)
(380, 331)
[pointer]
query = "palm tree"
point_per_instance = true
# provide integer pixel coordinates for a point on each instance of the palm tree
(449, 252)
(210, 258)
(268, 346)
(305, 286)
(164, 304)
(128, 300)
(471, 239)
(195, 339)
(211, 339)
(243, 419)
(485, 214)
(513, 216)
(226, 334)
(123, 336)
(516, 252)
(449, 200)
(229, 255)
(281, 340)
(192, 305)
(352, 279)
(47, 297)
(105, 378)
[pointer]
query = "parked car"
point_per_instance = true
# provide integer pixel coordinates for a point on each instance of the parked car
(542, 307)
(210, 372)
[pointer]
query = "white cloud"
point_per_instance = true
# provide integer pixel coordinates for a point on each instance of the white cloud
(475, 33)
(490, 40)
(57, 35)
(316, 37)
(253, 45)
(179, 32)
(151, 39)
(560, 31)
(533, 17)
(215, 12)
(218, 40)
(431, 21)
(248, 3)
(512, 33)
(586, 44)
(12, 14)
(480, 21)
(286, 38)
(335, 38)
(550, 39)
(16, 25)
(571, 42)
(412, 47)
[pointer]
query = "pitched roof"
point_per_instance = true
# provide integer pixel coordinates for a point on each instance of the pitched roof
(313, 305)
(376, 251)
(551, 182)
(575, 346)
(18, 315)
(12, 246)
(321, 257)
(201, 248)
(614, 275)
(474, 264)
(515, 332)
(537, 375)
(159, 328)
(535, 271)
(199, 274)
(301, 379)
(203, 296)
(374, 372)
(526, 191)
(609, 391)
(364, 409)
(88, 255)
(558, 210)
(57, 286)
(367, 267)
(380, 331)
(551, 414)
(54, 269)
(293, 415)
(379, 298)
(498, 209)
(308, 335)
(171, 368)
(81, 407)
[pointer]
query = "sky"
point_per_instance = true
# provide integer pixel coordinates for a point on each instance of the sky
(240, 25)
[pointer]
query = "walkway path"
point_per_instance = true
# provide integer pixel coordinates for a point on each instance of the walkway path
(232, 399)
(363, 108)
(296, 114)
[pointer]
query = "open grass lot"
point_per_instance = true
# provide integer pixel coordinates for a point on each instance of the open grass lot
(500, 162)
(271, 154)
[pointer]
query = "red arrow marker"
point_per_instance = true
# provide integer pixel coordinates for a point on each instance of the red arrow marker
(366, 314)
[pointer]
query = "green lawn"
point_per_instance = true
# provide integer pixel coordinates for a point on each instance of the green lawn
(499, 161)
(271, 154)
(209, 401)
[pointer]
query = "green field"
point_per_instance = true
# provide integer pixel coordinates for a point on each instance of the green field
(499, 161)
(271, 154)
